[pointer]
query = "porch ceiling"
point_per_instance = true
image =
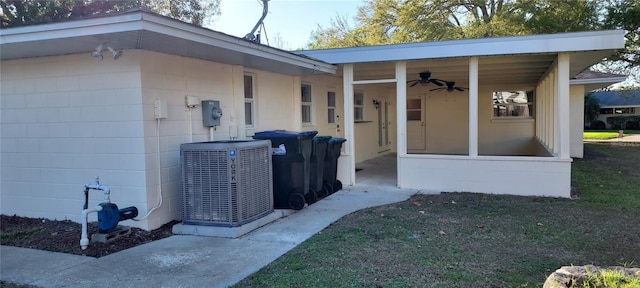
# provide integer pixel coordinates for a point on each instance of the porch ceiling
(517, 70)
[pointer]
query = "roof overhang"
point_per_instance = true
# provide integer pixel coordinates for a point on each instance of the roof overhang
(597, 83)
(148, 31)
(586, 49)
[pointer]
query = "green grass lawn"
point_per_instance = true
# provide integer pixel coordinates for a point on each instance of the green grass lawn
(605, 134)
(477, 240)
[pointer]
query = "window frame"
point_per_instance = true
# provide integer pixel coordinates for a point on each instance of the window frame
(358, 106)
(308, 104)
(531, 104)
(251, 101)
(331, 109)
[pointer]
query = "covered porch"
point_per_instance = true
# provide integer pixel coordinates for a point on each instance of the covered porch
(471, 139)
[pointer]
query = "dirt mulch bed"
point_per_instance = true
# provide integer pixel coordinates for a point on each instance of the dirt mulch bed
(64, 236)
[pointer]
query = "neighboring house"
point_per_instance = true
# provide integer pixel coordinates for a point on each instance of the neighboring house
(617, 103)
(67, 118)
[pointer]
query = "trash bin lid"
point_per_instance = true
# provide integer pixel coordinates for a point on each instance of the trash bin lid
(337, 140)
(321, 138)
(284, 134)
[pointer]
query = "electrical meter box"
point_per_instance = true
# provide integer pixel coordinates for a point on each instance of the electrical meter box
(211, 113)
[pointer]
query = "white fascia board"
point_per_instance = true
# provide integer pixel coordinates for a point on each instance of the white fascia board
(605, 81)
(166, 26)
(535, 44)
(88, 27)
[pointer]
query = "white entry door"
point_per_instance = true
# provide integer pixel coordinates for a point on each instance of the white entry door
(416, 141)
(383, 126)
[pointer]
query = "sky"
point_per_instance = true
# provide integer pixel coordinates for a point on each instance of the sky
(291, 20)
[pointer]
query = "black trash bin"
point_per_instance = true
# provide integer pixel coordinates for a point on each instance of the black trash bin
(330, 174)
(291, 167)
(318, 154)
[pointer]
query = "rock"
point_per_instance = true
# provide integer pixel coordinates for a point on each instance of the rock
(573, 276)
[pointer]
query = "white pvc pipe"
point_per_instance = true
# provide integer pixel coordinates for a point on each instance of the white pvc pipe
(84, 239)
(104, 188)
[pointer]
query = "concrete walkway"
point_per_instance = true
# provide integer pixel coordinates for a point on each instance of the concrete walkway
(628, 138)
(191, 261)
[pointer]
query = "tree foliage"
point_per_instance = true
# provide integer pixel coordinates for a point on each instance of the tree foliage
(591, 108)
(404, 21)
(20, 13)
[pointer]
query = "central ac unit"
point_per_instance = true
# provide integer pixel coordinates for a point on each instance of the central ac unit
(226, 183)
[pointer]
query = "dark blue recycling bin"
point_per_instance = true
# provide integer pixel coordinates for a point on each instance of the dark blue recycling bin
(330, 175)
(316, 178)
(291, 166)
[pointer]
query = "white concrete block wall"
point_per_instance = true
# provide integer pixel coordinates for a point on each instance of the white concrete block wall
(170, 79)
(320, 86)
(66, 120)
(275, 98)
(525, 176)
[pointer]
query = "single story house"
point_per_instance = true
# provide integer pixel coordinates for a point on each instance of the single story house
(617, 103)
(505, 126)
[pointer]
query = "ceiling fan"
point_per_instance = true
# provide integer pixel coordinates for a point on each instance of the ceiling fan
(451, 86)
(425, 78)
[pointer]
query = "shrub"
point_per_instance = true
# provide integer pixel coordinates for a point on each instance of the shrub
(598, 125)
(624, 122)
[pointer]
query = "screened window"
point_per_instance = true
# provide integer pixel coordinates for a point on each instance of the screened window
(358, 106)
(414, 110)
(513, 104)
(306, 103)
(331, 107)
(249, 101)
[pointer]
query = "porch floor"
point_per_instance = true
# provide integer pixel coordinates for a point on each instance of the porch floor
(379, 171)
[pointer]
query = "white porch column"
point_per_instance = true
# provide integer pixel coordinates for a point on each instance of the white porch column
(349, 149)
(473, 106)
(563, 110)
(401, 115)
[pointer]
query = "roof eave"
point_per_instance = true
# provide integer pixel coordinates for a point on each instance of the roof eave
(140, 20)
(536, 44)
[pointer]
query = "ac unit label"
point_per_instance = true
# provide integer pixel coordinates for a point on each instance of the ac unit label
(232, 155)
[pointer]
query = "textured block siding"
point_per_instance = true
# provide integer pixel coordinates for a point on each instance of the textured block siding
(64, 121)
(170, 78)
(496, 176)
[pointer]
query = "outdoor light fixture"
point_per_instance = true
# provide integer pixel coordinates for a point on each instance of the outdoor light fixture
(376, 103)
(97, 54)
(116, 53)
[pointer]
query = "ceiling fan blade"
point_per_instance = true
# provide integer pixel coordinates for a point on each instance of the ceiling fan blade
(435, 89)
(459, 88)
(436, 81)
(414, 83)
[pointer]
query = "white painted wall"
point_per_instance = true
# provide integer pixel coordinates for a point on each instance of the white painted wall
(447, 130)
(277, 102)
(366, 133)
(526, 176)
(577, 120)
(320, 86)
(66, 120)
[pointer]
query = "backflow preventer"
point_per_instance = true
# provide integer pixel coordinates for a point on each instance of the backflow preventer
(108, 213)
